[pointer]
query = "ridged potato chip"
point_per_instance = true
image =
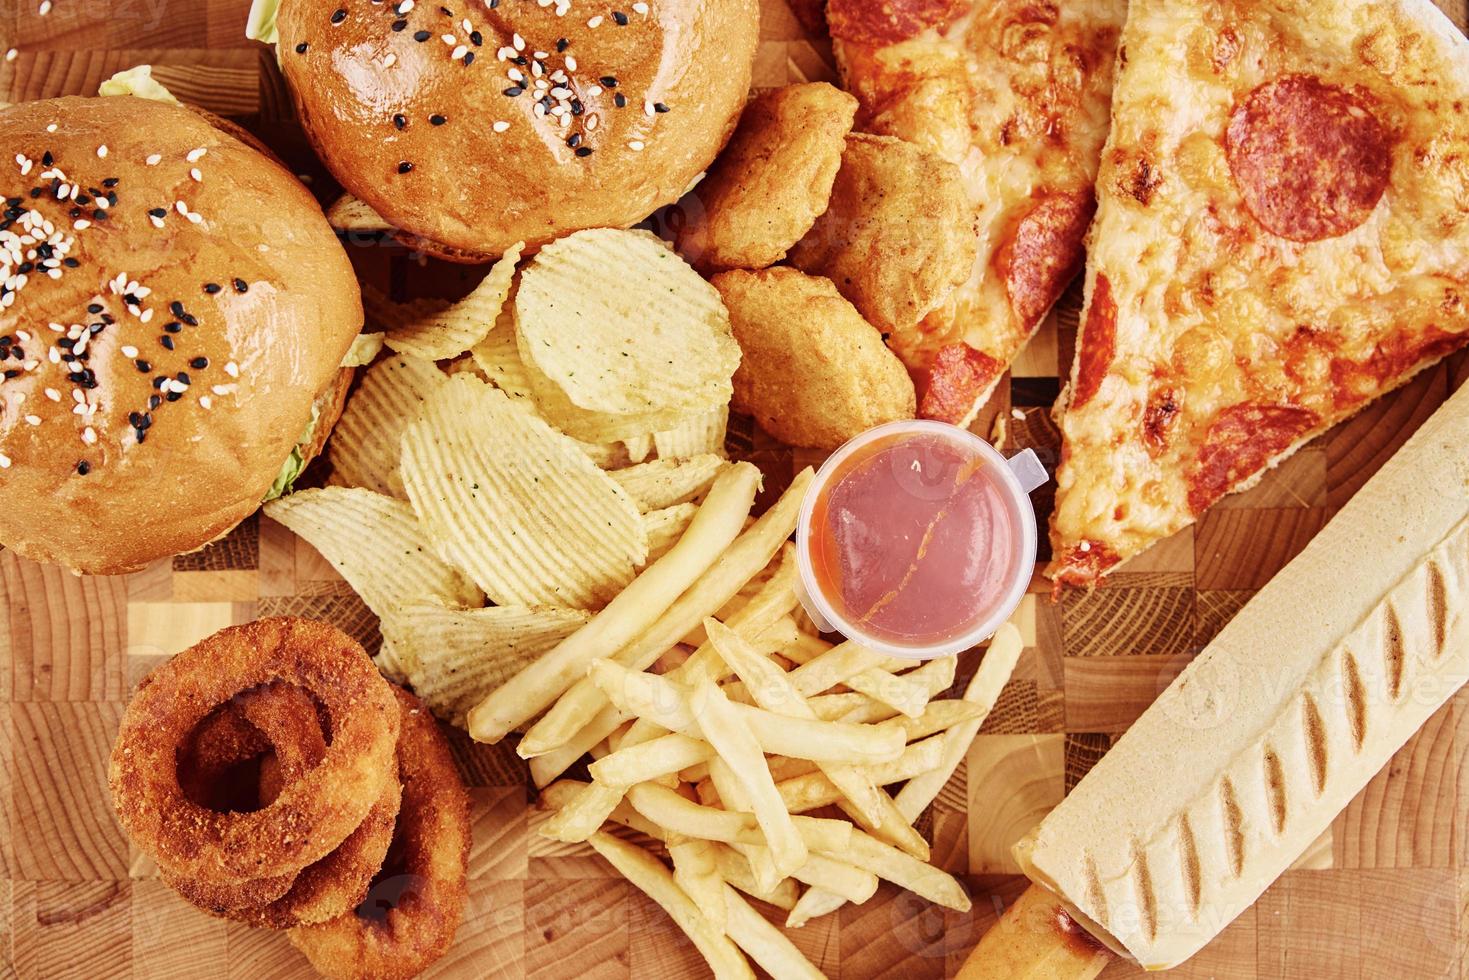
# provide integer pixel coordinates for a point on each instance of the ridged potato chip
(624, 327)
(666, 482)
(639, 448)
(377, 545)
(453, 658)
(438, 332)
(699, 434)
(666, 526)
(516, 504)
(352, 214)
(367, 441)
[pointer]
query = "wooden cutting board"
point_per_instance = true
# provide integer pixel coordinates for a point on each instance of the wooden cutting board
(1384, 894)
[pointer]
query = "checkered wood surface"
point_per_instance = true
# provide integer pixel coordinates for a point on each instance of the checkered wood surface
(1385, 893)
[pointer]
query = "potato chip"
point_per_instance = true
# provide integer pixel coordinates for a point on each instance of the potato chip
(367, 441)
(464, 364)
(498, 357)
(377, 545)
(453, 658)
(699, 434)
(666, 482)
(516, 504)
(390, 665)
(664, 527)
(639, 448)
(351, 214)
(439, 332)
(624, 327)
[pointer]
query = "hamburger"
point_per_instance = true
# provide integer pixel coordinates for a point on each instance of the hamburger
(471, 126)
(175, 313)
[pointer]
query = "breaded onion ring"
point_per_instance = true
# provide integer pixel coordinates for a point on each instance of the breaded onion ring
(313, 814)
(411, 913)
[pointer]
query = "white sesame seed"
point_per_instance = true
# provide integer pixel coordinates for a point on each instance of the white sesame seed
(518, 42)
(648, 107)
(232, 369)
(129, 351)
(540, 55)
(636, 146)
(640, 8)
(146, 317)
(33, 419)
(89, 436)
(82, 225)
(181, 207)
(449, 39)
(102, 151)
(223, 390)
(594, 91)
(53, 394)
(157, 221)
(468, 27)
(51, 128)
(45, 8)
(197, 175)
(154, 160)
(103, 204)
(4, 462)
(389, 60)
(12, 54)
(501, 126)
(196, 155)
(570, 63)
(196, 218)
(592, 122)
(595, 22)
(205, 402)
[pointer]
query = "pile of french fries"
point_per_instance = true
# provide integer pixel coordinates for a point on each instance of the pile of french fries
(763, 759)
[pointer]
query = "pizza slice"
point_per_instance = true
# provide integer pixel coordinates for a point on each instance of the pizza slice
(1015, 92)
(1282, 237)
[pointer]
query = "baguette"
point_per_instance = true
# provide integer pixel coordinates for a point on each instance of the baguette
(1271, 731)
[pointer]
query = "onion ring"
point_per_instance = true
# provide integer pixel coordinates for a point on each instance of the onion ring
(313, 814)
(414, 907)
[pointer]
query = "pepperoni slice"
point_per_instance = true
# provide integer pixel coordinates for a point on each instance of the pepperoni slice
(883, 22)
(1241, 441)
(1394, 356)
(959, 375)
(1098, 343)
(1045, 252)
(1310, 159)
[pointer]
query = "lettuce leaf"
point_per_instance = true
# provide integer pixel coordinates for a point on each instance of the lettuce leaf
(295, 463)
(261, 25)
(138, 82)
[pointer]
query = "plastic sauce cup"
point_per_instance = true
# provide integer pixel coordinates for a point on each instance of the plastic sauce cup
(918, 539)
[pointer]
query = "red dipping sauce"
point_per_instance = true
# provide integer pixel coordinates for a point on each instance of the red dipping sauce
(914, 540)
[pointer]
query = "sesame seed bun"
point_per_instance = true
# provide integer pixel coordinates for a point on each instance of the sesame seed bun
(208, 330)
(416, 122)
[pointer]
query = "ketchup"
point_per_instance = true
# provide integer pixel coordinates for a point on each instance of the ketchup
(912, 540)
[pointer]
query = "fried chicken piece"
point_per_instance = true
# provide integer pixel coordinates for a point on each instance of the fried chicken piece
(898, 235)
(814, 373)
(772, 182)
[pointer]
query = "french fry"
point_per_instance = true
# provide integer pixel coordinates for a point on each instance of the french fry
(649, 876)
(665, 527)
(545, 768)
(672, 811)
(815, 903)
(584, 815)
(638, 763)
(635, 609)
(667, 704)
(734, 868)
(563, 793)
(815, 790)
(730, 734)
(891, 864)
(938, 716)
(750, 553)
(935, 675)
(764, 943)
(697, 873)
(838, 877)
(983, 691)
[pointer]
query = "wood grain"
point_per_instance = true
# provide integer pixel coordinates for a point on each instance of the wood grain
(1384, 893)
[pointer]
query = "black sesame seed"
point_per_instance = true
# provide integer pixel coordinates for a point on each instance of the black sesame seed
(405, 167)
(241, 286)
(421, 35)
(619, 100)
(660, 107)
(143, 366)
(94, 308)
(167, 342)
(339, 16)
(400, 121)
(12, 373)
(608, 81)
(183, 377)
(476, 38)
(577, 108)
(301, 48)
(154, 401)
(437, 120)
(399, 25)
(71, 263)
(584, 151)
(212, 288)
(173, 396)
(468, 58)
(446, 11)
(199, 363)
(135, 419)
(99, 215)
(83, 468)
(620, 17)
(191, 320)
(562, 44)
(514, 91)
(110, 182)
(177, 308)
(47, 159)
(173, 326)
(158, 212)
(574, 140)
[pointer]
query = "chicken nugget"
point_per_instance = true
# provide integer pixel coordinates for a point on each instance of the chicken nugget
(814, 373)
(899, 234)
(772, 182)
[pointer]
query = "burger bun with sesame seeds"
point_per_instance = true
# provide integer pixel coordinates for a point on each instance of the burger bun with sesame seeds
(475, 124)
(174, 313)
